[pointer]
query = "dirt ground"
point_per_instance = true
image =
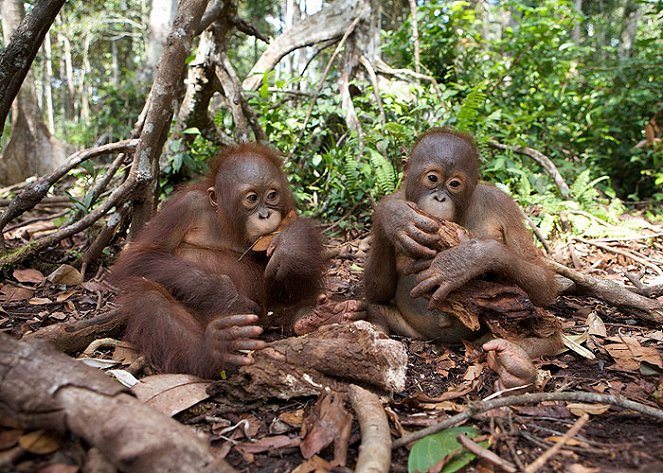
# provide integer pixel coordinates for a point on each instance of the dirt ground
(441, 381)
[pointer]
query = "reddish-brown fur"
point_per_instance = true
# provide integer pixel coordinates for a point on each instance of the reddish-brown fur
(187, 273)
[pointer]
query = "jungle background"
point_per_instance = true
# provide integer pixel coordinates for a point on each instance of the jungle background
(108, 106)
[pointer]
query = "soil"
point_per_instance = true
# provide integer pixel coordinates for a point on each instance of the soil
(441, 381)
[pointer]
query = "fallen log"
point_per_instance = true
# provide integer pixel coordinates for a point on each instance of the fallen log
(44, 389)
(319, 361)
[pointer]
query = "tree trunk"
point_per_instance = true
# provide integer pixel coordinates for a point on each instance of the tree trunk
(16, 58)
(162, 15)
(31, 149)
(48, 89)
(632, 14)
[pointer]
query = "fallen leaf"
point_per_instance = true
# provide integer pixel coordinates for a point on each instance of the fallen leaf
(314, 464)
(266, 444)
(66, 274)
(293, 418)
(124, 377)
(326, 423)
(125, 353)
(39, 301)
(171, 393)
(473, 372)
(28, 275)
(13, 293)
(580, 408)
(596, 325)
(39, 442)
(628, 354)
(63, 296)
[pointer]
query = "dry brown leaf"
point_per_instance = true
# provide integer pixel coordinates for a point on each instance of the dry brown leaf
(66, 274)
(628, 354)
(326, 423)
(28, 276)
(63, 296)
(596, 325)
(580, 408)
(266, 444)
(314, 464)
(171, 393)
(293, 418)
(39, 301)
(39, 442)
(11, 293)
(473, 372)
(125, 353)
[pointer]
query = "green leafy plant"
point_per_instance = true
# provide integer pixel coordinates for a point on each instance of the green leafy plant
(442, 449)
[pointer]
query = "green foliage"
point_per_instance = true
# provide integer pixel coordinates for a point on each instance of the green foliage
(469, 110)
(442, 448)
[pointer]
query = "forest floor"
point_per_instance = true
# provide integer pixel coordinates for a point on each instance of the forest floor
(441, 380)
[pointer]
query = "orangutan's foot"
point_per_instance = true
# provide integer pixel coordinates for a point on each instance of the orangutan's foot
(328, 312)
(511, 363)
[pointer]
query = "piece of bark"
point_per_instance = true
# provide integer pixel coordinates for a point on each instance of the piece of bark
(505, 308)
(73, 337)
(328, 422)
(318, 361)
(43, 388)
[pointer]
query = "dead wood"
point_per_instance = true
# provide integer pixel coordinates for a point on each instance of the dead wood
(541, 159)
(375, 449)
(329, 23)
(319, 361)
(35, 192)
(615, 294)
(74, 337)
(505, 308)
(42, 388)
(476, 408)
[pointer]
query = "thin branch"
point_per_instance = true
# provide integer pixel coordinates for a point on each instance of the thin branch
(646, 309)
(486, 454)
(347, 33)
(36, 191)
(376, 89)
(543, 160)
(383, 68)
(627, 254)
(548, 454)
(476, 408)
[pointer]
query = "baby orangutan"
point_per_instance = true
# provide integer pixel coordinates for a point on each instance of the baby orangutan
(220, 261)
(408, 277)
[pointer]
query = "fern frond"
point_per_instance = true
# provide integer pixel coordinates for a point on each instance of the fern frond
(385, 174)
(469, 109)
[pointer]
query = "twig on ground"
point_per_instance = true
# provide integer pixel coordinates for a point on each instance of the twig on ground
(625, 253)
(548, 454)
(642, 289)
(102, 343)
(646, 309)
(479, 407)
(375, 450)
(486, 454)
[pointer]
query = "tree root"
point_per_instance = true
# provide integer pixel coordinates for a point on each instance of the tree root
(375, 450)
